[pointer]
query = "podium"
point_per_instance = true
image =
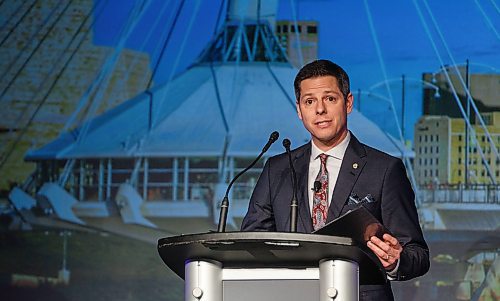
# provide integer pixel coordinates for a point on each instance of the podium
(270, 266)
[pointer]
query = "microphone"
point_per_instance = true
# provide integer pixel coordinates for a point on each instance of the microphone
(317, 186)
(293, 203)
(224, 206)
(274, 136)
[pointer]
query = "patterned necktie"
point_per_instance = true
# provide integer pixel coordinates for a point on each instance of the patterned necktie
(320, 200)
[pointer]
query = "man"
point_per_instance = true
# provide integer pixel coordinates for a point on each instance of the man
(342, 168)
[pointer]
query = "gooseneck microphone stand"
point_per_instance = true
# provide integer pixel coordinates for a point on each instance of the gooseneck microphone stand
(293, 204)
(225, 202)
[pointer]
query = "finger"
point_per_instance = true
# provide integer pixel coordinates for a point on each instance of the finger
(376, 240)
(381, 244)
(386, 253)
(378, 251)
(390, 239)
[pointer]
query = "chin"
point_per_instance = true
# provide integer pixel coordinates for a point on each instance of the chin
(326, 138)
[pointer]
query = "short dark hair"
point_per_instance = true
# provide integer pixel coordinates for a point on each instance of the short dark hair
(322, 68)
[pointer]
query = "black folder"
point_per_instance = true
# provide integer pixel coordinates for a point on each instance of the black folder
(358, 224)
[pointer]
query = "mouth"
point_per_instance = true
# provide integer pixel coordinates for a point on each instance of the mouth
(323, 123)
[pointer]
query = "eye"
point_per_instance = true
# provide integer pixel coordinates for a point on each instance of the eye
(308, 101)
(330, 98)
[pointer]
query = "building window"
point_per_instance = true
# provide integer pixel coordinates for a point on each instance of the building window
(425, 173)
(459, 160)
(430, 149)
(437, 138)
(312, 29)
(432, 138)
(459, 149)
(459, 172)
(437, 149)
(459, 137)
(425, 138)
(437, 172)
(425, 161)
(285, 28)
(437, 161)
(420, 138)
(430, 172)
(430, 161)
(425, 149)
(292, 28)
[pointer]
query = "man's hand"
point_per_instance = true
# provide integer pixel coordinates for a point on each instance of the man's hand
(387, 250)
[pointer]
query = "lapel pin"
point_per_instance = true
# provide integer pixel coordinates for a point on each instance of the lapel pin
(355, 165)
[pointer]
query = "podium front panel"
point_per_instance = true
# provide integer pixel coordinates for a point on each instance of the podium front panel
(332, 280)
(271, 290)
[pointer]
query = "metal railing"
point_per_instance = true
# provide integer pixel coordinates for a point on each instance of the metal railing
(461, 194)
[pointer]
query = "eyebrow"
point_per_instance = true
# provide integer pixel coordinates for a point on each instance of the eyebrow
(324, 92)
(332, 92)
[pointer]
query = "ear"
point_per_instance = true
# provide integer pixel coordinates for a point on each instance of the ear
(298, 109)
(349, 102)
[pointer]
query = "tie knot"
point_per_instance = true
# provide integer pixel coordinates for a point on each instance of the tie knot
(323, 158)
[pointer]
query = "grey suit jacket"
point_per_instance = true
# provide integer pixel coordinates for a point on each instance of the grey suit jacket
(376, 173)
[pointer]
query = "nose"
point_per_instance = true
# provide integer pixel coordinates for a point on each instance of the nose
(320, 107)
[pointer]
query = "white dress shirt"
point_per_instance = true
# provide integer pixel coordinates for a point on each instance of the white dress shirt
(333, 163)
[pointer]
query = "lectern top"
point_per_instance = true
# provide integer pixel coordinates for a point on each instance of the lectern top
(268, 250)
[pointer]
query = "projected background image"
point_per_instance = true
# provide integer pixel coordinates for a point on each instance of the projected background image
(123, 122)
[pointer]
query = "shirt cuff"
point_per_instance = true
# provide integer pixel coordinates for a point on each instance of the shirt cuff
(393, 274)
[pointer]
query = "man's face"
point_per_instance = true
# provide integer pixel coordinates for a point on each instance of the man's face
(323, 110)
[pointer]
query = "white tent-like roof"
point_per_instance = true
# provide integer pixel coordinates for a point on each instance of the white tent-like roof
(226, 104)
(206, 111)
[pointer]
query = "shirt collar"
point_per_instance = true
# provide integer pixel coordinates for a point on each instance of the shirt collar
(337, 151)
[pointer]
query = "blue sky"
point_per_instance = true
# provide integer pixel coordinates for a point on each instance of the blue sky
(467, 29)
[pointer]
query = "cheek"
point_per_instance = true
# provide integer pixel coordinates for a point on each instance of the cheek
(299, 113)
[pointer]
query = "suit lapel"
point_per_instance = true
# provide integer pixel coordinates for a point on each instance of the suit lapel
(352, 165)
(301, 164)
